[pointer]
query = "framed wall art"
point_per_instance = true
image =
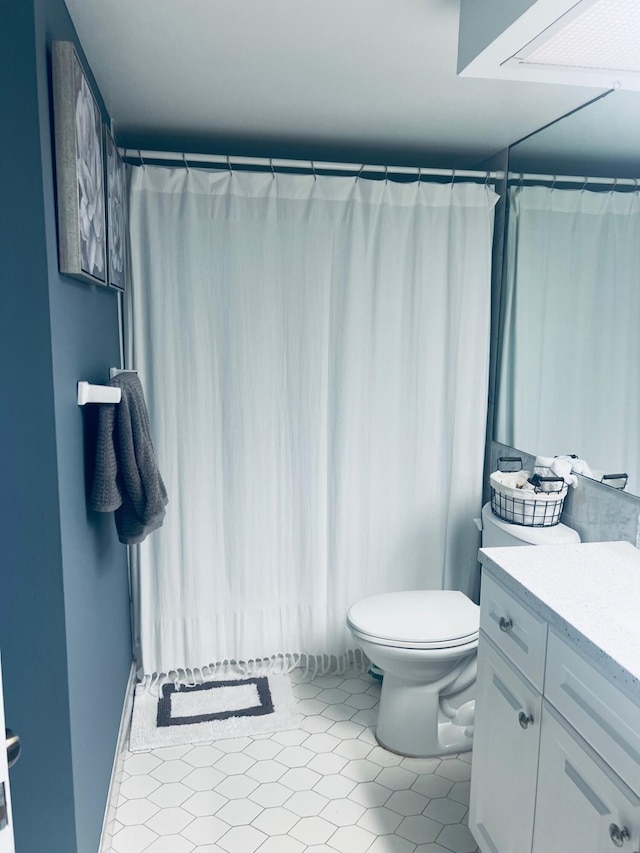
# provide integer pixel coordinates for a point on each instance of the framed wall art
(79, 169)
(116, 214)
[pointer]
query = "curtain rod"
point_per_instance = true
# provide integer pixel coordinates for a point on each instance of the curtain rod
(226, 162)
(514, 177)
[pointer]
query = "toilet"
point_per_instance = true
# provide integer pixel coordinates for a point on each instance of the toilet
(425, 641)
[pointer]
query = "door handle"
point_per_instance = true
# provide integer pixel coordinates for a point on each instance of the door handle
(13, 746)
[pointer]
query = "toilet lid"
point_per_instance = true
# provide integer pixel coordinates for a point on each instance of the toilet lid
(431, 617)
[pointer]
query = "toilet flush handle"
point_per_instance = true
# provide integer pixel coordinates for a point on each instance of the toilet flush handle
(505, 624)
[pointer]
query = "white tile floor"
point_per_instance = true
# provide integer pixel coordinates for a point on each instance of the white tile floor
(323, 788)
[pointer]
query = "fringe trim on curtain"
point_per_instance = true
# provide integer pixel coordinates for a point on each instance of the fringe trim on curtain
(306, 668)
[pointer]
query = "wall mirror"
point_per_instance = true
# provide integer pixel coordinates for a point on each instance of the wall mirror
(569, 355)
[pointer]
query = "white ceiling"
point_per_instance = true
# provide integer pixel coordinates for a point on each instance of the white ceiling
(258, 76)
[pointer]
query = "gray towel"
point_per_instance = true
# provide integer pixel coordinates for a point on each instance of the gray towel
(127, 479)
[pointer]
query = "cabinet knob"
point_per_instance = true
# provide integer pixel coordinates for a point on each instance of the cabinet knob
(617, 835)
(505, 624)
(525, 720)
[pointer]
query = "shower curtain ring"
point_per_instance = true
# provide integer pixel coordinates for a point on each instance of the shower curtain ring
(386, 174)
(359, 172)
(313, 169)
(144, 165)
(453, 176)
(419, 175)
(184, 160)
(273, 171)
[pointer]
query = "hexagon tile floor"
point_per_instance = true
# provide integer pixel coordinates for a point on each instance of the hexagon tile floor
(323, 788)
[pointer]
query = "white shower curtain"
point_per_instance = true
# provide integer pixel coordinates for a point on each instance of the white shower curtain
(570, 365)
(314, 353)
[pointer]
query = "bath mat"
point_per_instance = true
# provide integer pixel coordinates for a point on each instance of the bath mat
(173, 715)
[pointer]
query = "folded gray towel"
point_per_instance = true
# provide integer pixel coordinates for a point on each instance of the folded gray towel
(127, 479)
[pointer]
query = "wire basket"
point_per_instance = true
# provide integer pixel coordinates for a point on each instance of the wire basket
(540, 507)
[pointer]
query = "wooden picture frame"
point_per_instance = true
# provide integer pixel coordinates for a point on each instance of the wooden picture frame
(115, 183)
(79, 169)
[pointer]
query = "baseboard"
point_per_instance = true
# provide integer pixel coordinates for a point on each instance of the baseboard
(114, 782)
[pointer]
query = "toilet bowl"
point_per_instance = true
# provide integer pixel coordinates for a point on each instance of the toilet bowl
(425, 641)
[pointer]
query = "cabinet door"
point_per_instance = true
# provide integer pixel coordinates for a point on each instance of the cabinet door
(505, 755)
(582, 806)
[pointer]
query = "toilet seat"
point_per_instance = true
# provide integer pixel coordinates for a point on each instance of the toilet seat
(419, 619)
(461, 644)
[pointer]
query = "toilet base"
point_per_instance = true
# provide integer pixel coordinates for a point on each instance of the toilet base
(411, 721)
(456, 742)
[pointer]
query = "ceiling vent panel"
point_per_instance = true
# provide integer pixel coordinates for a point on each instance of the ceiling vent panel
(589, 43)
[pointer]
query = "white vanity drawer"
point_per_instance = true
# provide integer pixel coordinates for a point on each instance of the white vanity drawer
(520, 634)
(607, 719)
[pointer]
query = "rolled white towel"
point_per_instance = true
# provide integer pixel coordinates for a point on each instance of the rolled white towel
(514, 479)
(580, 466)
(556, 466)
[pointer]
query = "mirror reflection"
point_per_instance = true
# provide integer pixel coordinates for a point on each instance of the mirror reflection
(569, 374)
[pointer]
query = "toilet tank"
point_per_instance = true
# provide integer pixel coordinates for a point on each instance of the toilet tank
(497, 533)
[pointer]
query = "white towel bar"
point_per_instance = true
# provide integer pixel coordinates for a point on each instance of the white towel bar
(88, 393)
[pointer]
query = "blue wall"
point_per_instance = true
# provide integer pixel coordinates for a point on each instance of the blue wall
(64, 607)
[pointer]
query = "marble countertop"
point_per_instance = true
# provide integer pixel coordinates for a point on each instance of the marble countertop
(589, 593)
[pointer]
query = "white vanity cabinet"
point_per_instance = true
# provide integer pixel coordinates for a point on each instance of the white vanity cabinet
(556, 756)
